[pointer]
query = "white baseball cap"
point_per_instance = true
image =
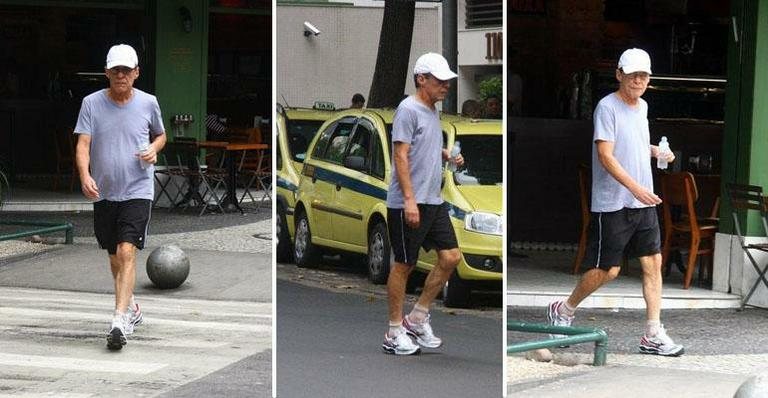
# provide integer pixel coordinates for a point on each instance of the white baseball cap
(122, 55)
(435, 65)
(635, 60)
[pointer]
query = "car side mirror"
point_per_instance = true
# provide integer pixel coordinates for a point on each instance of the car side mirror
(355, 163)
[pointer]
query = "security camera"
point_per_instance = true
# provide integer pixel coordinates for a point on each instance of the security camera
(310, 29)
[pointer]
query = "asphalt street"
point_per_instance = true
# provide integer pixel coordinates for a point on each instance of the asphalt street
(329, 345)
(210, 337)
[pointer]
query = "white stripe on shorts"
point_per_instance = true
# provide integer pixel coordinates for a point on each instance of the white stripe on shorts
(599, 238)
(402, 235)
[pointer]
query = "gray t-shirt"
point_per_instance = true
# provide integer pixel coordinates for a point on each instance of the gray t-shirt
(117, 132)
(419, 126)
(627, 127)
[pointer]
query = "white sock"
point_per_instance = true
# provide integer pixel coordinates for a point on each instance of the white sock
(418, 313)
(566, 309)
(395, 328)
(652, 327)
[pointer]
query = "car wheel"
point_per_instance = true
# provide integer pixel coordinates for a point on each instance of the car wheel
(284, 253)
(378, 254)
(456, 292)
(305, 253)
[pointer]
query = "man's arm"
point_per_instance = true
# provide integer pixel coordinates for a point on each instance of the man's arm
(614, 168)
(403, 176)
(83, 159)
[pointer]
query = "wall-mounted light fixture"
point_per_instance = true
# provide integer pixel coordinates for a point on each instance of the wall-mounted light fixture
(186, 19)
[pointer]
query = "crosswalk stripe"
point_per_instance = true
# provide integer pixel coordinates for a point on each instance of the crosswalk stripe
(27, 313)
(87, 365)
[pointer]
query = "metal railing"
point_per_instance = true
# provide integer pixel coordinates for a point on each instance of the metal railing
(575, 335)
(46, 228)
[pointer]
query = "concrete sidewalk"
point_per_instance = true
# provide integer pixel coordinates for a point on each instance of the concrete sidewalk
(723, 347)
(632, 381)
(214, 275)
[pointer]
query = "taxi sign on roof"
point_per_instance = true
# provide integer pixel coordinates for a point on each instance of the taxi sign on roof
(324, 106)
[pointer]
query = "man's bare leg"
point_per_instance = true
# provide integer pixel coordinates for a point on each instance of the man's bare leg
(589, 283)
(446, 263)
(123, 265)
(652, 282)
(398, 277)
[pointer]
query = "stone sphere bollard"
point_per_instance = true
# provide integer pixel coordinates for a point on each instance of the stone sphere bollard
(754, 387)
(168, 267)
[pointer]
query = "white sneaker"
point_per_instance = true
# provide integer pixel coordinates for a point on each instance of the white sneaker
(557, 318)
(661, 344)
(422, 332)
(116, 336)
(399, 345)
(135, 317)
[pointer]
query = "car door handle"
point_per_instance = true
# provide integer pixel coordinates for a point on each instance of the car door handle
(338, 186)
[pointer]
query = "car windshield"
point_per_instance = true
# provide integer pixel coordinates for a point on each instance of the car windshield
(482, 160)
(300, 134)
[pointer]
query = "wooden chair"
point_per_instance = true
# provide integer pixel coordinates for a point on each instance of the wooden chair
(585, 185)
(687, 230)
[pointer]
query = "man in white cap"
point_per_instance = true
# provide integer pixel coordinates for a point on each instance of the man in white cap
(624, 220)
(417, 216)
(120, 132)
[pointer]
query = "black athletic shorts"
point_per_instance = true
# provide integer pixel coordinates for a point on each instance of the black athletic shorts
(116, 222)
(435, 231)
(634, 232)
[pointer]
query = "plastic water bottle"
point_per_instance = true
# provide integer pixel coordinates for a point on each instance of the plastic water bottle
(141, 149)
(455, 151)
(661, 160)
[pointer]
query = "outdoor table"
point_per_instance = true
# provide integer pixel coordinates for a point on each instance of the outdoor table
(231, 149)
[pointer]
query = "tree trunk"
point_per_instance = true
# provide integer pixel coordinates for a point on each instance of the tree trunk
(391, 73)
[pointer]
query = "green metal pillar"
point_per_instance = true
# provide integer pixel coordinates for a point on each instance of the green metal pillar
(181, 71)
(745, 141)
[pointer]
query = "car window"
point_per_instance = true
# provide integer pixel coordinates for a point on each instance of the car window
(482, 160)
(377, 158)
(279, 159)
(300, 134)
(337, 140)
(322, 142)
(360, 145)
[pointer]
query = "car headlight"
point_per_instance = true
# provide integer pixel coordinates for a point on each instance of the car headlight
(485, 223)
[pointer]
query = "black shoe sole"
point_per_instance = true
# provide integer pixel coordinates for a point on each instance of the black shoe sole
(116, 340)
(391, 351)
(647, 351)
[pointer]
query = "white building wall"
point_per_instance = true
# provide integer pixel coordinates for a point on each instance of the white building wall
(340, 61)
(473, 67)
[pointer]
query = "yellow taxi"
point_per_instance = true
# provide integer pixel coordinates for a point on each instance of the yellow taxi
(295, 129)
(341, 203)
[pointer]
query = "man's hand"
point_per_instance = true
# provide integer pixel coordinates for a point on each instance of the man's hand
(646, 197)
(459, 159)
(411, 211)
(670, 156)
(88, 185)
(149, 156)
